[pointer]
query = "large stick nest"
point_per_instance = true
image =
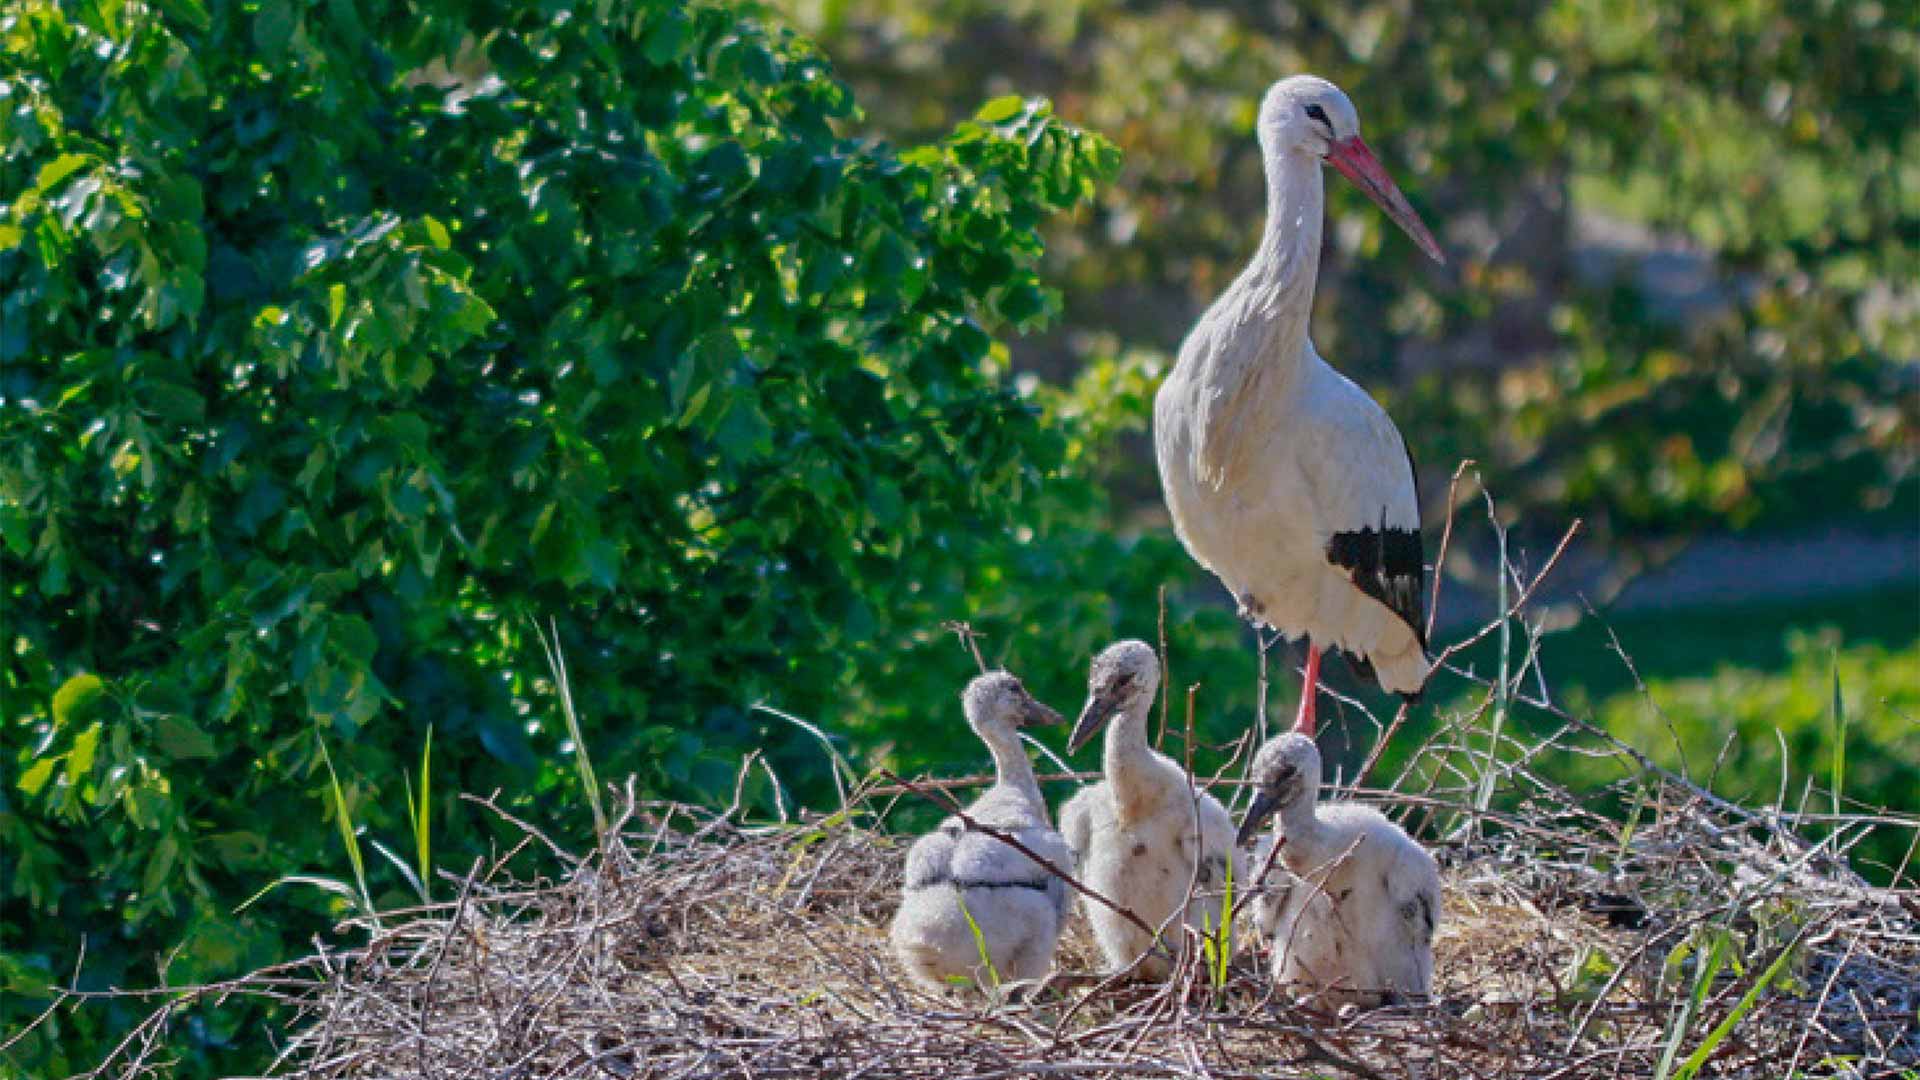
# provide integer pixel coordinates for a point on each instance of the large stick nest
(693, 945)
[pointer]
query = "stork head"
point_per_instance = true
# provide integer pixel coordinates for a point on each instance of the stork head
(1306, 114)
(1286, 771)
(998, 700)
(1125, 676)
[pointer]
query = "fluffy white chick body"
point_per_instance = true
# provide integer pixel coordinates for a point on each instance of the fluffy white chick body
(955, 872)
(1144, 834)
(1352, 901)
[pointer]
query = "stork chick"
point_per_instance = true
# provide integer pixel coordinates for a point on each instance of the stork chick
(1283, 477)
(956, 874)
(1144, 833)
(1352, 904)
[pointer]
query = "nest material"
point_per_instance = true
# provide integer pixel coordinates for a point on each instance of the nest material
(698, 947)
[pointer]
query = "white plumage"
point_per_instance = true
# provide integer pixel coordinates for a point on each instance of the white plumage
(1017, 905)
(1352, 901)
(1283, 477)
(1143, 834)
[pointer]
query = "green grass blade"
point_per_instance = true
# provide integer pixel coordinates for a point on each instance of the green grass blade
(413, 810)
(842, 772)
(1698, 1058)
(338, 888)
(1839, 735)
(1223, 946)
(349, 838)
(1707, 968)
(979, 940)
(557, 664)
(400, 864)
(422, 814)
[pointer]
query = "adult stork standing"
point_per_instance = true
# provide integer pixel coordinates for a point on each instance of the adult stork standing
(1283, 477)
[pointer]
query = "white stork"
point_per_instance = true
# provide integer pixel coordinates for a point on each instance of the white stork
(1351, 907)
(966, 890)
(1283, 477)
(1143, 836)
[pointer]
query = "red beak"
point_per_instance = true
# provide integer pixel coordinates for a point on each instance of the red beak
(1358, 164)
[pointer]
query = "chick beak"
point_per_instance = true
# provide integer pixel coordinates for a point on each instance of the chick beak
(1100, 708)
(1264, 804)
(1034, 714)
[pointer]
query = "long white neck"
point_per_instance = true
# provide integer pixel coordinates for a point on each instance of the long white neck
(1286, 264)
(1127, 735)
(1272, 299)
(1306, 836)
(1011, 768)
(1137, 774)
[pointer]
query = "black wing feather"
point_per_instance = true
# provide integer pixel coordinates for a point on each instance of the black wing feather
(1389, 565)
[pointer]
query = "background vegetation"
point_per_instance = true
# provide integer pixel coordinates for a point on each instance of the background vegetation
(341, 344)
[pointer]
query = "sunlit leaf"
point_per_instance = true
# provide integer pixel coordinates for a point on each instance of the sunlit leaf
(78, 700)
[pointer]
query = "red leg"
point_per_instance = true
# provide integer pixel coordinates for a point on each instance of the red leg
(1309, 690)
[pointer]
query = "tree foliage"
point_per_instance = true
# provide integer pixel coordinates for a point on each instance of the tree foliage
(331, 368)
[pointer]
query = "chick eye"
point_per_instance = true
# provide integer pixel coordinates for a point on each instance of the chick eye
(1315, 112)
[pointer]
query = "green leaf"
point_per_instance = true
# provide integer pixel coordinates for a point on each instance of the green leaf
(680, 381)
(556, 550)
(144, 804)
(436, 232)
(191, 12)
(57, 170)
(1001, 109)
(37, 774)
(696, 403)
(180, 739)
(176, 403)
(160, 864)
(474, 316)
(408, 429)
(353, 639)
(78, 700)
(602, 561)
(80, 757)
(665, 37)
(273, 27)
(239, 849)
(744, 433)
(50, 242)
(13, 529)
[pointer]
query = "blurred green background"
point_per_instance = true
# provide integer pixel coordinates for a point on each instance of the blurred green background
(345, 342)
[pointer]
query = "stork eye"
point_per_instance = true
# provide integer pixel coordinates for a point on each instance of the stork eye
(1315, 112)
